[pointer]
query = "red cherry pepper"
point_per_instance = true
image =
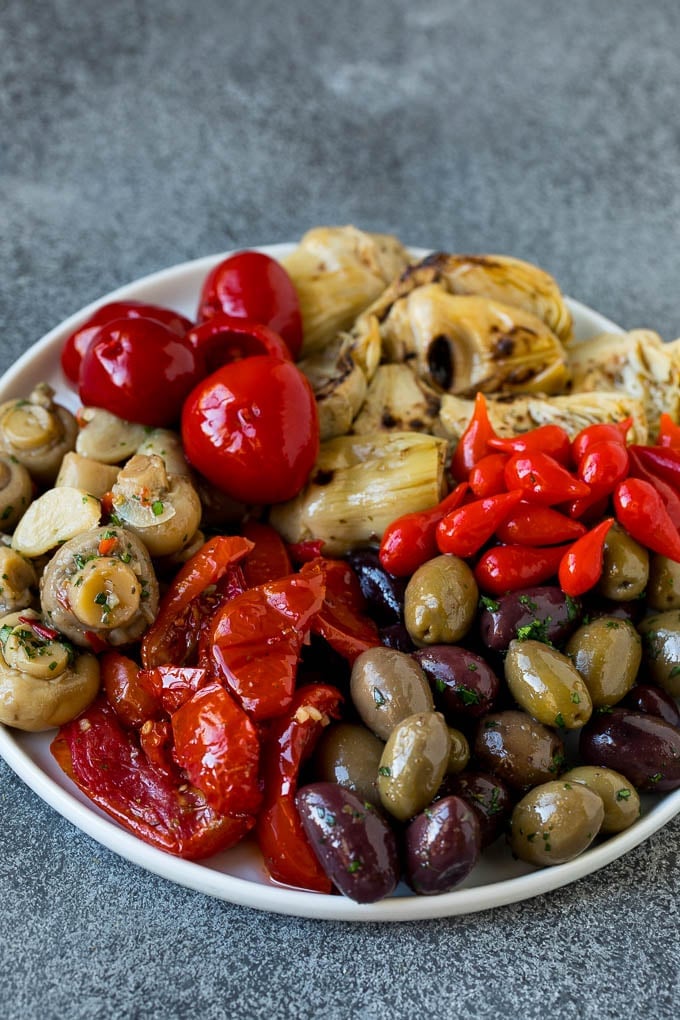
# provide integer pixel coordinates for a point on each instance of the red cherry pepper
(669, 495)
(603, 466)
(342, 620)
(224, 338)
(474, 442)
(533, 524)
(291, 739)
(411, 540)
(510, 567)
(542, 479)
(669, 432)
(464, 531)
(550, 439)
(613, 432)
(640, 510)
(581, 566)
(487, 477)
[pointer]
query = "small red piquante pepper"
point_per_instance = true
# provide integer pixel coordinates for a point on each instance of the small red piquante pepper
(669, 432)
(342, 619)
(614, 432)
(669, 495)
(487, 477)
(640, 510)
(474, 442)
(581, 566)
(411, 540)
(542, 479)
(464, 531)
(536, 525)
(603, 466)
(291, 739)
(507, 568)
(663, 461)
(550, 439)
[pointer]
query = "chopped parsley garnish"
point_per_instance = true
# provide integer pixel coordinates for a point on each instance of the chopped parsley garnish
(675, 671)
(527, 601)
(537, 630)
(157, 507)
(5, 632)
(473, 667)
(576, 697)
(623, 794)
(384, 770)
(468, 696)
(559, 719)
(440, 685)
(7, 512)
(573, 608)
(354, 866)
(490, 604)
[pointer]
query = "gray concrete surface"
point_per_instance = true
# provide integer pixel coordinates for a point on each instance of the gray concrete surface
(137, 135)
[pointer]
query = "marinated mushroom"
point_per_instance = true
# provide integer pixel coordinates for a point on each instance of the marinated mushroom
(164, 510)
(37, 432)
(16, 489)
(55, 517)
(78, 472)
(100, 586)
(18, 581)
(106, 437)
(167, 445)
(42, 682)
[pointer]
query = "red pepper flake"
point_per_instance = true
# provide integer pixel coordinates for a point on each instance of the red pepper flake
(39, 628)
(107, 546)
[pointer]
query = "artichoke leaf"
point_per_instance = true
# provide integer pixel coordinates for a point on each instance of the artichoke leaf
(396, 400)
(339, 386)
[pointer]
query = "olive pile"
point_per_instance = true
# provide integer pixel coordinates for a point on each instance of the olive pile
(459, 726)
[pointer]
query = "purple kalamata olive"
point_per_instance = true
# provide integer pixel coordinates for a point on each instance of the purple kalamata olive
(488, 796)
(654, 701)
(462, 683)
(396, 636)
(518, 749)
(443, 844)
(383, 592)
(643, 748)
(542, 614)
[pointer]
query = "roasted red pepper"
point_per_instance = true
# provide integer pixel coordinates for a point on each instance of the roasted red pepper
(487, 477)
(287, 852)
(640, 510)
(581, 566)
(510, 567)
(132, 701)
(532, 524)
(550, 439)
(172, 686)
(542, 479)
(269, 559)
(107, 763)
(474, 442)
(411, 540)
(342, 620)
(464, 531)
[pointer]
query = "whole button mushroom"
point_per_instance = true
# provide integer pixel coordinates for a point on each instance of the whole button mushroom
(37, 432)
(413, 764)
(387, 686)
(16, 491)
(18, 581)
(440, 603)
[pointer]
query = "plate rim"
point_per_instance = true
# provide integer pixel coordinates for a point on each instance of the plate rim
(247, 892)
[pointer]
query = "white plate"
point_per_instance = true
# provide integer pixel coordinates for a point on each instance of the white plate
(238, 875)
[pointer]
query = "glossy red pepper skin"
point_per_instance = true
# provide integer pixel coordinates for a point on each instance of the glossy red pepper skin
(172, 686)
(487, 477)
(291, 739)
(224, 338)
(507, 568)
(532, 524)
(542, 479)
(268, 560)
(640, 510)
(342, 619)
(474, 442)
(131, 700)
(669, 432)
(581, 566)
(106, 762)
(219, 748)
(663, 461)
(601, 432)
(255, 640)
(603, 466)
(550, 439)
(588, 509)
(464, 531)
(668, 493)
(411, 540)
(170, 638)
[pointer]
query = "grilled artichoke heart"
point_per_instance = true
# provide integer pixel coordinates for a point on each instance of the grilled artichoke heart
(637, 363)
(339, 386)
(337, 273)
(461, 344)
(510, 415)
(397, 401)
(359, 485)
(500, 277)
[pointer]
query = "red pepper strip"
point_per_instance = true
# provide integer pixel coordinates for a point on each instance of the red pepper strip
(97, 644)
(155, 740)
(581, 566)
(542, 479)
(614, 432)
(172, 686)
(39, 628)
(342, 620)
(269, 559)
(287, 852)
(669, 496)
(603, 466)
(132, 701)
(640, 510)
(487, 477)
(510, 567)
(224, 338)
(532, 524)
(550, 439)
(663, 461)
(106, 762)
(165, 641)
(411, 540)
(669, 432)
(219, 747)
(464, 531)
(255, 641)
(474, 442)
(304, 552)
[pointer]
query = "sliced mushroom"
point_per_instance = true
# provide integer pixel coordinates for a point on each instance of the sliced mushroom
(42, 683)
(18, 581)
(164, 510)
(16, 489)
(168, 446)
(107, 438)
(55, 517)
(37, 432)
(102, 584)
(77, 472)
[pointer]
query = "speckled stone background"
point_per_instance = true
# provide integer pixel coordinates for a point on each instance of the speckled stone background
(137, 135)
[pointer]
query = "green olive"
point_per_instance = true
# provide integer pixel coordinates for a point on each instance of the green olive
(386, 687)
(413, 764)
(555, 822)
(625, 566)
(661, 649)
(349, 754)
(607, 653)
(663, 589)
(546, 684)
(441, 600)
(620, 798)
(459, 753)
